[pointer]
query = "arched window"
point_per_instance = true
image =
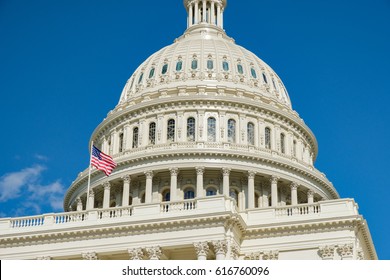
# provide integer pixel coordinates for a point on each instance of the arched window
(164, 69)
(251, 133)
(194, 64)
(267, 138)
(265, 78)
(282, 143)
(211, 130)
(151, 73)
(225, 66)
(211, 191)
(295, 148)
(210, 64)
(152, 133)
(189, 194)
(140, 78)
(179, 65)
(166, 195)
(231, 131)
(171, 130)
(135, 137)
(121, 142)
(191, 129)
(253, 72)
(240, 69)
(273, 82)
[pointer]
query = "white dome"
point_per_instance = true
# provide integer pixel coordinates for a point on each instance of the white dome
(205, 55)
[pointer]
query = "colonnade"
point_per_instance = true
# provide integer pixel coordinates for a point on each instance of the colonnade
(205, 11)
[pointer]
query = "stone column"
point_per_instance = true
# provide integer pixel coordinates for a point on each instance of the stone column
(274, 191)
(174, 172)
(294, 193)
(106, 196)
(204, 18)
(212, 15)
(79, 204)
(148, 188)
(136, 254)
(220, 248)
(310, 197)
(199, 181)
(190, 16)
(226, 182)
(202, 250)
(154, 253)
(219, 15)
(91, 200)
(265, 197)
(126, 190)
(196, 13)
(251, 189)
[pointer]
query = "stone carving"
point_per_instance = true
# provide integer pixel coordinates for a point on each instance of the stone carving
(327, 252)
(345, 251)
(220, 247)
(89, 256)
(234, 251)
(270, 255)
(154, 253)
(202, 249)
(136, 254)
(44, 258)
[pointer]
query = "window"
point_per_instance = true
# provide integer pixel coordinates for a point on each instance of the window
(135, 137)
(295, 148)
(151, 73)
(265, 78)
(225, 66)
(166, 195)
(282, 143)
(164, 69)
(267, 138)
(211, 191)
(191, 129)
(171, 130)
(253, 72)
(189, 194)
(273, 82)
(210, 64)
(140, 78)
(231, 131)
(211, 130)
(179, 65)
(233, 194)
(152, 133)
(194, 64)
(240, 69)
(251, 133)
(121, 142)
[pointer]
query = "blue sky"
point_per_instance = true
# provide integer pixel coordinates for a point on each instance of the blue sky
(63, 65)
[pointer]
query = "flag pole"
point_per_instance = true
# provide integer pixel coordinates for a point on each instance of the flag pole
(89, 178)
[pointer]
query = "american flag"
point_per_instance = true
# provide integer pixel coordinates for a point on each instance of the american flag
(102, 161)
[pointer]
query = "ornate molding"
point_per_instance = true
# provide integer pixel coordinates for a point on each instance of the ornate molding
(220, 247)
(251, 174)
(202, 249)
(149, 174)
(154, 253)
(126, 179)
(226, 171)
(89, 256)
(327, 252)
(136, 254)
(174, 171)
(274, 179)
(200, 170)
(345, 251)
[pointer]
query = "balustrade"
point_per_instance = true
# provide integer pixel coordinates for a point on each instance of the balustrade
(178, 206)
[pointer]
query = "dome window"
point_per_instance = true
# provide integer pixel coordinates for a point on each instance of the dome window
(135, 137)
(267, 138)
(251, 133)
(121, 142)
(211, 130)
(265, 78)
(210, 64)
(140, 78)
(179, 65)
(295, 148)
(232, 131)
(164, 69)
(152, 133)
(191, 129)
(253, 72)
(171, 130)
(189, 194)
(225, 66)
(282, 143)
(211, 192)
(240, 69)
(194, 64)
(151, 73)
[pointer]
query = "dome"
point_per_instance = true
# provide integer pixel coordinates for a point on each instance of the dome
(205, 55)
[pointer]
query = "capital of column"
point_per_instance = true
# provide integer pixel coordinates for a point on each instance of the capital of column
(202, 249)
(294, 186)
(126, 179)
(91, 193)
(200, 170)
(226, 171)
(220, 246)
(310, 193)
(136, 253)
(154, 253)
(149, 174)
(174, 171)
(251, 174)
(345, 250)
(274, 179)
(107, 185)
(327, 252)
(89, 256)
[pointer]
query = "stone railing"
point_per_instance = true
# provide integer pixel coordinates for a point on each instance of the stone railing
(186, 205)
(298, 210)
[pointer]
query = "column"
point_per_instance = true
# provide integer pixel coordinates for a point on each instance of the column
(212, 15)
(154, 253)
(251, 189)
(204, 19)
(219, 15)
(265, 198)
(79, 204)
(126, 190)
(226, 183)
(220, 248)
(196, 13)
(310, 197)
(136, 254)
(148, 188)
(222, 18)
(199, 181)
(294, 193)
(174, 172)
(106, 196)
(202, 250)
(91, 200)
(190, 16)
(274, 191)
